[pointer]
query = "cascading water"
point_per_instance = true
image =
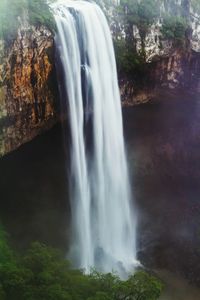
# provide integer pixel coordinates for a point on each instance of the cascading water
(103, 223)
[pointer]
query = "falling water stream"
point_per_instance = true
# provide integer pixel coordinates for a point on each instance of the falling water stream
(103, 223)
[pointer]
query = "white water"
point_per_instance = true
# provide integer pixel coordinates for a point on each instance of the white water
(103, 224)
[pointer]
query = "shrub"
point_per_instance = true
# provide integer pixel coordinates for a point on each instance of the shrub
(174, 28)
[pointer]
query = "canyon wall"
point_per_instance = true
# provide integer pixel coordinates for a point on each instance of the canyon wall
(29, 101)
(27, 86)
(169, 67)
(176, 73)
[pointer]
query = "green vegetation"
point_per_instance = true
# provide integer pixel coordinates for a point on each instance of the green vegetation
(40, 14)
(143, 14)
(174, 28)
(127, 59)
(9, 22)
(195, 5)
(11, 11)
(140, 13)
(42, 273)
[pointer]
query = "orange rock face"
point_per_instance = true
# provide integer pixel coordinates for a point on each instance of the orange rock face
(27, 87)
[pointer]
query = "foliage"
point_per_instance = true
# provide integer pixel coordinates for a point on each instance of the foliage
(144, 13)
(42, 273)
(127, 59)
(140, 13)
(174, 28)
(195, 5)
(11, 12)
(39, 13)
(5, 252)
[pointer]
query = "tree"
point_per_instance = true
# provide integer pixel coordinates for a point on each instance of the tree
(43, 273)
(174, 28)
(142, 14)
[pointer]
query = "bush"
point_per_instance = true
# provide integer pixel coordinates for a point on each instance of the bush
(174, 28)
(128, 60)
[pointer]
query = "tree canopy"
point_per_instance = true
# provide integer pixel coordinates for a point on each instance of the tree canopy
(37, 11)
(42, 273)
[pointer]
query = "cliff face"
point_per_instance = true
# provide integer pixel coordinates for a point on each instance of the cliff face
(168, 67)
(27, 85)
(176, 73)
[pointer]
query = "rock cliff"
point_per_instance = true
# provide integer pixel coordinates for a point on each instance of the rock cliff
(176, 73)
(168, 67)
(27, 86)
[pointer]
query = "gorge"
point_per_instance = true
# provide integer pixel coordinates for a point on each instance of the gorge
(168, 66)
(70, 150)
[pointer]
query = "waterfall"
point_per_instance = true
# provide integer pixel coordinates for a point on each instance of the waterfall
(103, 224)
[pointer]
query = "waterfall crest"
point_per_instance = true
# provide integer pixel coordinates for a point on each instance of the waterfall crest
(103, 224)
